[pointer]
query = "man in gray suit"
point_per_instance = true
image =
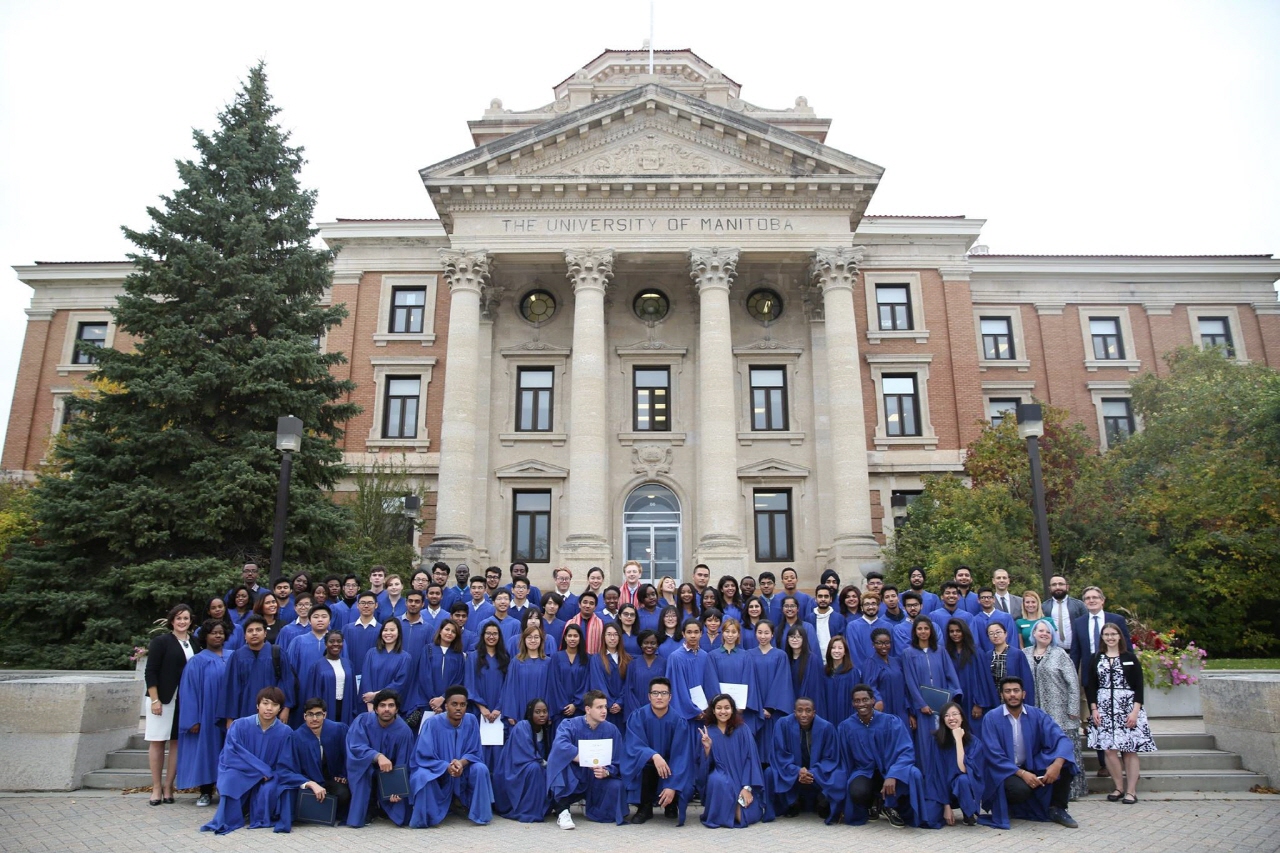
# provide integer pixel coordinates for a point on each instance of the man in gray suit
(1006, 601)
(1063, 610)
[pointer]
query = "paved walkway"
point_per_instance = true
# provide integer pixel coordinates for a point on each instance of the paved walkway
(112, 822)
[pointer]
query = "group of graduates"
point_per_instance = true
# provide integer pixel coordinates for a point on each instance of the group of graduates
(756, 703)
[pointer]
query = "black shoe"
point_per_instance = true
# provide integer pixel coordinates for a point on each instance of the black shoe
(873, 813)
(793, 811)
(970, 820)
(824, 809)
(1060, 817)
(642, 816)
(895, 819)
(672, 811)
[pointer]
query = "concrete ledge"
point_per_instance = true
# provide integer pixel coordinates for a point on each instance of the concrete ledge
(54, 728)
(1243, 713)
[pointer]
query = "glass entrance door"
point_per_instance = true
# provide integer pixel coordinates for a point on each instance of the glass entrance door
(651, 531)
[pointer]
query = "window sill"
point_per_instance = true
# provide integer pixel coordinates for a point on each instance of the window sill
(928, 442)
(747, 438)
(627, 439)
(557, 439)
(413, 443)
(921, 336)
(64, 369)
(1022, 364)
(383, 338)
(1133, 365)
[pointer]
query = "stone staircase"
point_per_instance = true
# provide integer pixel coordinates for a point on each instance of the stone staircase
(1186, 761)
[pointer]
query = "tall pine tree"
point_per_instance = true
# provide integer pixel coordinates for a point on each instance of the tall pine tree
(169, 480)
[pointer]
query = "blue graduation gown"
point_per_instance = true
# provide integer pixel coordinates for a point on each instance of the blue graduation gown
(439, 743)
(1016, 663)
(858, 634)
(478, 614)
(520, 779)
(978, 624)
(639, 674)
(1044, 743)
(247, 673)
(824, 763)
(416, 636)
(304, 650)
(613, 685)
(738, 667)
(290, 632)
(941, 617)
(306, 753)
(319, 682)
(976, 684)
(484, 687)
(365, 739)
(969, 602)
(780, 635)
(773, 676)
(566, 684)
(732, 765)
(565, 779)
(835, 705)
(340, 613)
(526, 680)
(358, 641)
(811, 683)
(931, 669)
(649, 735)
(882, 747)
(902, 636)
(385, 671)
(437, 670)
(648, 620)
(199, 695)
(686, 670)
(255, 766)
(569, 609)
(890, 687)
(944, 781)
(803, 599)
(386, 610)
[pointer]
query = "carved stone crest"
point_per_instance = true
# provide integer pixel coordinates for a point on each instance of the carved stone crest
(651, 460)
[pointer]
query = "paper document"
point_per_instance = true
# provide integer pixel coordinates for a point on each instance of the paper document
(737, 691)
(490, 733)
(698, 696)
(595, 753)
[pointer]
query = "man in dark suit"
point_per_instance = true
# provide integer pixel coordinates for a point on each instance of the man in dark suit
(1086, 634)
(1064, 609)
(1006, 600)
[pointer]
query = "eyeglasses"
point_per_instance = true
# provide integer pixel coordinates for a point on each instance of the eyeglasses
(659, 692)
(314, 715)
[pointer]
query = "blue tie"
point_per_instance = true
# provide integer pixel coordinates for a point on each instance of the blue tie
(1097, 632)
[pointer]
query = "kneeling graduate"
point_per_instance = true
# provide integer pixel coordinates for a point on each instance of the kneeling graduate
(569, 781)
(447, 765)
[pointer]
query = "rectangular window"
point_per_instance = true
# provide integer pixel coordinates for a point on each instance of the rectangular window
(89, 335)
(401, 416)
(768, 398)
(999, 407)
(1117, 419)
(533, 403)
(652, 399)
(893, 301)
(408, 305)
(531, 527)
(1107, 343)
(773, 525)
(901, 404)
(997, 338)
(1216, 332)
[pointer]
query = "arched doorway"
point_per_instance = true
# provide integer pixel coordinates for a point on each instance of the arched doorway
(651, 531)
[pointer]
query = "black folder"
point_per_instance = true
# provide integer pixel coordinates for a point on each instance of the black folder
(311, 810)
(395, 782)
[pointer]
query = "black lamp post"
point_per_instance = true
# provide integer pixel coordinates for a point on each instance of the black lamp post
(288, 442)
(1031, 427)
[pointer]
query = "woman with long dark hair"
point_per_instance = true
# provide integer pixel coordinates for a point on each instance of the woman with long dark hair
(955, 778)
(527, 675)
(268, 607)
(925, 665)
(688, 605)
(732, 782)
(567, 675)
(609, 674)
(835, 704)
(520, 776)
(972, 672)
(386, 666)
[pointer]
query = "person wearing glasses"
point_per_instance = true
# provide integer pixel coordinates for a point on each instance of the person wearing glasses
(657, 760)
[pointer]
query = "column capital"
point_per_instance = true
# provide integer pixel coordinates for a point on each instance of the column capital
(836, 268)
(589, 269)
(713, 268)
(465, 270)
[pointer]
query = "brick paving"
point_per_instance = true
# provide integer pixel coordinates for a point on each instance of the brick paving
(112, 822)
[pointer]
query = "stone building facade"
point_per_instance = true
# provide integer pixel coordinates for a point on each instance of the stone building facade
(654, 321)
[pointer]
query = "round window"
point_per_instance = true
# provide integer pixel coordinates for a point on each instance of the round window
(538, 306)
(652, 305)
(764, 305)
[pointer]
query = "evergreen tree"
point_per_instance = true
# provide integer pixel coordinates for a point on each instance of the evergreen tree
(169, 479)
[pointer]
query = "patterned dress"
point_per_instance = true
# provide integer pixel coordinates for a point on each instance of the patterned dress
(1058, 695)
(1115, 702)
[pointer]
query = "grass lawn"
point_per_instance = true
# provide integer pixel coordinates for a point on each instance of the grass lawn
(1242, 663)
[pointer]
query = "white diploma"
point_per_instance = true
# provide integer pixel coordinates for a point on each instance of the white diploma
(737, 691)
(698, 696)
(595, 753)
(490, 733)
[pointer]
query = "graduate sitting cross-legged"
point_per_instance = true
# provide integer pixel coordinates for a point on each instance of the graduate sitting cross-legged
(658, 766)
(448, 766)
(570, 780)
(954, 780)
(378, 741)
(320, 753)
(521, 772)
(729, 773)
(255, 770)
(876, 753)
(806, 772)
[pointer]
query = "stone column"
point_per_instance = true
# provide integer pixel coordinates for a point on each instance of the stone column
(466, 273)
(834, 272)
(718, 522)
(587, 540)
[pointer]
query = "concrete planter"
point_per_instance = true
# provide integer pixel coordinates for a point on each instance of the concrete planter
(1180, 701)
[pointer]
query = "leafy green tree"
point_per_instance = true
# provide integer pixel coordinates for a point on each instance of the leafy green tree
(381, 533)
(169, 480)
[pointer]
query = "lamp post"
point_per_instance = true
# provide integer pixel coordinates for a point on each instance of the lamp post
(1031, 427)
(288, 442)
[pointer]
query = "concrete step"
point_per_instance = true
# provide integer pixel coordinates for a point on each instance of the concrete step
(1184, 740)
(117, 779)
(128, 759)
(137, 741)
(1165, 781)
(1178, 759)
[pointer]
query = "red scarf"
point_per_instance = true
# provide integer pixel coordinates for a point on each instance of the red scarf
(593, 631)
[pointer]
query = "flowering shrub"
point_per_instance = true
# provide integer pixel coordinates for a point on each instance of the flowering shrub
(1166, 661)
(138, 653)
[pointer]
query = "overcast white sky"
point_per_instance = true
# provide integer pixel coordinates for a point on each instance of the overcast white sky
(1114, 127)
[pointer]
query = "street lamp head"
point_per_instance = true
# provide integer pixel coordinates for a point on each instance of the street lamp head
(412, 503)
(289, 434)
(1030, 420)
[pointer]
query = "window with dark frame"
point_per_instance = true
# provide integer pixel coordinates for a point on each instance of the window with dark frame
(408, 308)
(533, 399)
(893, 302)
(768, 398)
(901, 404)
(651, 399)
(71, 410)
(998, 408)
(772, 509)
(1107, 343)
(900, 501)
(1216, 332)
(400, 417)
(1117, 419)
(997, 338)
(531, 527)
(89, 335)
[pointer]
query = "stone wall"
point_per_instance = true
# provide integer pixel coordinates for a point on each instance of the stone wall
(1242, 712)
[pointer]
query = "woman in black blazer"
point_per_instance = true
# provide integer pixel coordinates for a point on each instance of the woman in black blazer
(1114, 685)
(166, 658)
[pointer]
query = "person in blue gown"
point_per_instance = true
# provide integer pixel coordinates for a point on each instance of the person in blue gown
(200, 733)
(386, 666)
(608, 673)
(253, 666)
(568, 672)
(806, 667)
(859, 628)
(840, 675)
(879, 762)
(568, 781)
(483, 676)
(806, 773)
(955, 778)
(658, 763)
(447, 766)
(320, 681)
(441, 666)
(773, 676)
(1004, 660)
(645, 667)
(691, 673)
(649, 613)
(377, 741)
(972, 670)
(986, 614)
(520, 779)
(629, 624)
(734, 665)
(729, 773)
(320, 755)
(299, 625)
(526, 675)
(926, 665)
(362, 631)
(1039, 786)
(929, 601)
(884, 674)
(255, 770)
(417, 629)
(788, 616)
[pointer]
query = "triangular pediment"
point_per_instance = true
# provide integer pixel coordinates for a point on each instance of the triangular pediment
(532, 469)
(773, 468)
